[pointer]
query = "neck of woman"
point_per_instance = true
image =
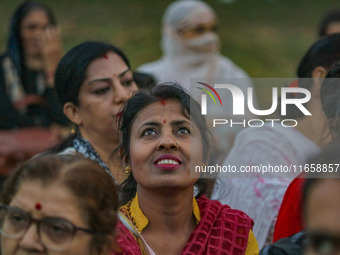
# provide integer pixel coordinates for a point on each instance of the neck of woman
(315, 127)
(167, 211)
(171, 219)
(104, 148)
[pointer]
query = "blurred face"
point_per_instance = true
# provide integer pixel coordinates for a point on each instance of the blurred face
(31, 31)
(160, 147)
(108, 84)
(322, 217)
(198, 25)
(51, 202)
(197, 31)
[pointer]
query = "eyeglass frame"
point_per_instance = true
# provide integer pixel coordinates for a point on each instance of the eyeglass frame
(38, 221)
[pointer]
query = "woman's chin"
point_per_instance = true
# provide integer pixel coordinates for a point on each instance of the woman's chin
(172, 184)
(34, 51)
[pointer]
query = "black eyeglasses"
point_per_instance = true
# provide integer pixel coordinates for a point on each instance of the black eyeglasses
(55, 233)
(323, 243)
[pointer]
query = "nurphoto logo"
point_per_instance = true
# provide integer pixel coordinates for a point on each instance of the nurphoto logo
(239, 107)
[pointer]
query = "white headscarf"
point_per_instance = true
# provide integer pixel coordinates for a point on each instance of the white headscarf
(190, 58)
(182, 52)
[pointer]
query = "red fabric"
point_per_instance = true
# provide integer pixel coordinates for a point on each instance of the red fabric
(221, 231)
(28, 100)
(289, 219)
(294, 84)
(126, 242)
(18, 145)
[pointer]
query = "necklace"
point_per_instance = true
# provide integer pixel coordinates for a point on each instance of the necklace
(130, 216)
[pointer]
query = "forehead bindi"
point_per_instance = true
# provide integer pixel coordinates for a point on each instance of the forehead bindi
(52, 199)
(162, 102)
(171, 111)
(38, 206)
(108, 66)
(167, 106)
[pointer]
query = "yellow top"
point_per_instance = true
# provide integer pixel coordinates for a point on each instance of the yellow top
(141, 221)
(252, 247)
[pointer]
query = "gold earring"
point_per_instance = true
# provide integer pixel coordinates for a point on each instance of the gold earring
(127, 169)
(73, 130)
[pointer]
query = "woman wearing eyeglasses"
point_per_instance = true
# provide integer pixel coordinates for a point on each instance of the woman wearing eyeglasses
(47, 207)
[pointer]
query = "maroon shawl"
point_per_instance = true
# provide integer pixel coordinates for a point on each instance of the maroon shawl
(221, 231)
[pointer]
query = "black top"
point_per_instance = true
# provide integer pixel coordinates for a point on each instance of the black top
(36, 114)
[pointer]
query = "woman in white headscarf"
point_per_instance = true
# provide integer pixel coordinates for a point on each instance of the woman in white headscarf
(190, 46)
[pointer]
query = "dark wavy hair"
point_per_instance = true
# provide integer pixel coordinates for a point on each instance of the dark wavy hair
(93, 188)
(71, 73)
(324, 52)
(190, 109)
(14, 45)
(330, 99)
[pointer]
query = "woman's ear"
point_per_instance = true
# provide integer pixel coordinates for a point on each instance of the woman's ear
(71, 112)
(318, 74)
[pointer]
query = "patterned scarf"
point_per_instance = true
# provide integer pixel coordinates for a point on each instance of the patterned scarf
(83, 147)
(221, 230)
